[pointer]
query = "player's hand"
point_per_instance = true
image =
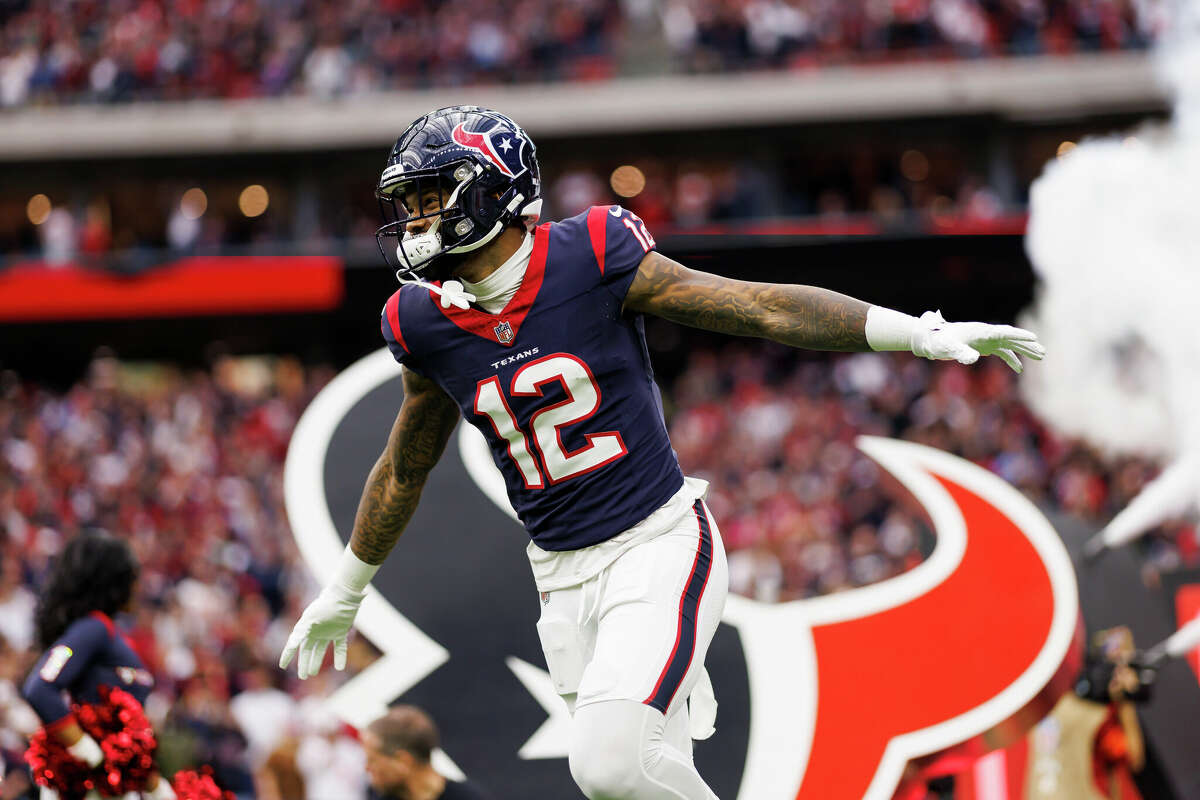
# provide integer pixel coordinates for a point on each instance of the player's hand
(326, 621)
(965, 342)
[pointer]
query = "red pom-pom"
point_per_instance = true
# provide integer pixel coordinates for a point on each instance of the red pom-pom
(192, 785)
(54, 767)
(125, 737)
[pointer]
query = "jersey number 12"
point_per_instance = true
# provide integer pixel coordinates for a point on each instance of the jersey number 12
(583, 400)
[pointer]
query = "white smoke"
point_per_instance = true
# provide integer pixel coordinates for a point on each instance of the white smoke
(1114, 236)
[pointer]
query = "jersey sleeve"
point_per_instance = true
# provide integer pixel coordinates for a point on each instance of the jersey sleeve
(393, 332)
(620, 241)
(61, 665)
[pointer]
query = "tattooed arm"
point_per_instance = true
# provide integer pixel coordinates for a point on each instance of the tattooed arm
(419, 435)
(393, 488)
(818, 319)
(800, 316)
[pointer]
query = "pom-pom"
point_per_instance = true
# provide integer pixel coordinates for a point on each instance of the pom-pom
(52, 766)
(125, 737)
(192, 785)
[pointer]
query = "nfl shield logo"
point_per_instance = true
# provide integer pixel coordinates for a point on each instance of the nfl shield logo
(504, 332)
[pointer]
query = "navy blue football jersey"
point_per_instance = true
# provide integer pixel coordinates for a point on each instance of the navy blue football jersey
(559, 382)
(91, 653)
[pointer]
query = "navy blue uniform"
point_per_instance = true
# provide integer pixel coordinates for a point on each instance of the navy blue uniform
(559, 382)
(89, 654)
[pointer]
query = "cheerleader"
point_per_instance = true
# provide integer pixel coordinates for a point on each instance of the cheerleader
(92, 580)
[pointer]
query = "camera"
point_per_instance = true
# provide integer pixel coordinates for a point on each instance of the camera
(1097, 676)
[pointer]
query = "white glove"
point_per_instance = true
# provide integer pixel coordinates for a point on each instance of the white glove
(328, 618)
(932, 337)
(88, 751)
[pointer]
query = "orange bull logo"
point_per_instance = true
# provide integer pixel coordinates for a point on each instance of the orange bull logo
(952, 658)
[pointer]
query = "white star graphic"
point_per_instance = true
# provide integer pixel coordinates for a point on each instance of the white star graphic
(553, 738)
(505, 145)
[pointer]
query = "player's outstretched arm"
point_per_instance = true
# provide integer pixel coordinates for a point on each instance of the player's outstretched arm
(418, 438)
(814, 318)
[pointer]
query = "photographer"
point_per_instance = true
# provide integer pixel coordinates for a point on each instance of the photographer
(1113, 677)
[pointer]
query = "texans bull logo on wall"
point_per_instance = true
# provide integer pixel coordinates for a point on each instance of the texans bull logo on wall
(829, 698)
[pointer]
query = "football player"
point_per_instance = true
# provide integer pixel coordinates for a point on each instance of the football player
(534, 334)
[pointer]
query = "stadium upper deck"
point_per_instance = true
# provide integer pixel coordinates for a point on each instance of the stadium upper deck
(83, 51)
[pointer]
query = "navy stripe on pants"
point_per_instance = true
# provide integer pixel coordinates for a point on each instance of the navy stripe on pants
(689, 608)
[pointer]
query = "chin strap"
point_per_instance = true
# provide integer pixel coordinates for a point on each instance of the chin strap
(496, 229)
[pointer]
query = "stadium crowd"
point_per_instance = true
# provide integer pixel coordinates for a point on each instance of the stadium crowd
(188, 466)
(62, 51)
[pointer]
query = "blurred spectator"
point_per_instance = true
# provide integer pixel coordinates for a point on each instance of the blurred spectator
(327, 69)
(399, 747)
(279, 778)
(16, 605)
(332, 763)
(58, 235)
(264, 713)
(17, 719)
(183, 229)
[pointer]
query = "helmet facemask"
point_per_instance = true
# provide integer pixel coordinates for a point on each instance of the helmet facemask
(441, 195)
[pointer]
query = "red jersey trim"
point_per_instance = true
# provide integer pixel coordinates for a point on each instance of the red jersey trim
(483, 324)
(597, 225)
(108, 623)
(392, 310)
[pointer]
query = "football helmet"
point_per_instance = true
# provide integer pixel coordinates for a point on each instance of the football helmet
(472, 171)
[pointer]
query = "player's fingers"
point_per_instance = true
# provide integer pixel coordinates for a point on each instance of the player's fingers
(302, 659)
(308, 655)
(1012, 332)
(289, 651)
(1010, 358)
(315, 656)
(1033, 350)
(964, 354)
(340, 646)
(318, 657)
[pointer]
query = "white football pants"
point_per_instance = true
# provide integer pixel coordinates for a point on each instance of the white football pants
(625, 649)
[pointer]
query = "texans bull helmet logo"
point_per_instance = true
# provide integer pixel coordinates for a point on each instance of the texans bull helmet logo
(504, 147)
(824, 698)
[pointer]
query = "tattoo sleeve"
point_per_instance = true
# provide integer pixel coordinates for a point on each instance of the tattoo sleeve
(800, 316)
(418, 437)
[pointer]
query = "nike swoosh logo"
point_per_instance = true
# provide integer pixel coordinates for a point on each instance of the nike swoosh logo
(615, 211)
